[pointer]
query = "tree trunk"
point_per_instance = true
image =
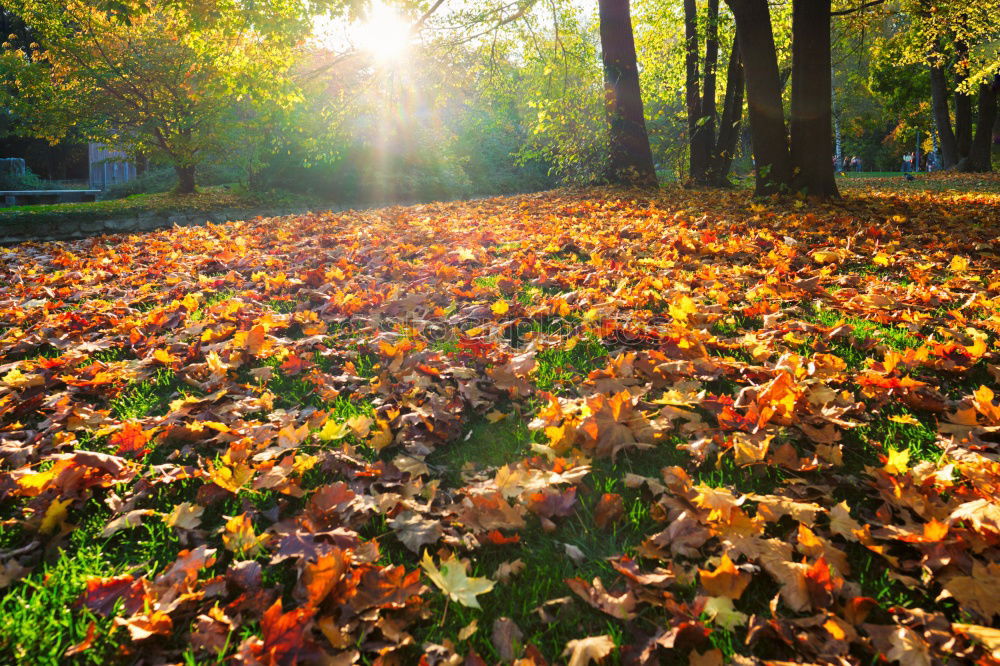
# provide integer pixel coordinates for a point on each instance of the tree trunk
(700, 136)
(185, 179)
(767, 120)
(729, 124)
(980, 154)
(812, 102)
(630, 159)
(942, 118)
(963, 125)
(711, 67)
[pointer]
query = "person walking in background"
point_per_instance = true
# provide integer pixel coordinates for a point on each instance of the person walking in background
(907, 162)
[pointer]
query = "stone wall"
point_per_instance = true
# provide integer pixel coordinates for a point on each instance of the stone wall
(72, 229)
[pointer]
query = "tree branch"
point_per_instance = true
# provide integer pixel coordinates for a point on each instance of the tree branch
(862, 6)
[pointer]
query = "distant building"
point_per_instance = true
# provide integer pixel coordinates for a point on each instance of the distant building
(108, 167)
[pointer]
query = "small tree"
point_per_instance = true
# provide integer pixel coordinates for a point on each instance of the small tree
(165, 79)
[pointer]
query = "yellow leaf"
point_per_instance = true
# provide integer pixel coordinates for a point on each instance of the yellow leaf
(360, 425)
(881, 259)
(905, 419)
(451, 578)
(333, 430)
(185, 515)
(682, 307)
(898, 461)
(382, 438)
(164, 357)
(230, 478)
(190, 302)
(239, 537)
(959, 264)
(55, 515)
(495, 416)
(500, 307)
(722, 612)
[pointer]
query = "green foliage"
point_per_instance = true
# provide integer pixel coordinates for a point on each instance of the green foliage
(176, 82)
(27, 181)
(158, 180)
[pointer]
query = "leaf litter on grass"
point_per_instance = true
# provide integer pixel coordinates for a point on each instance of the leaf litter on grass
(680, 427)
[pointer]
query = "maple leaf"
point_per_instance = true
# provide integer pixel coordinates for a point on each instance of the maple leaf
(284, 633)
(382, 437)
(980, 591)
(332, 430)
(415, 531)
(908, 648)
(610, 508)
(584, 651)
(507, 638)
(141, 627)
(233, 478)
(131, 519)
(614, 425)
(55, 515)
(238, 536)
(621, 606)
(320, 577)
(130, 439)
(841, 522)
(508, 570)
(452, 579)
(897, 462)
(102, 594)
(721, 611)
(726, 580)
(253, 341)
(185, 516)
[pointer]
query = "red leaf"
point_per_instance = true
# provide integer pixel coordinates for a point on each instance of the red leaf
(102, 593)
(130, 439)
(284, 633)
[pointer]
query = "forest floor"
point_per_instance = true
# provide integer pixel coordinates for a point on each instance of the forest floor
(570, 427)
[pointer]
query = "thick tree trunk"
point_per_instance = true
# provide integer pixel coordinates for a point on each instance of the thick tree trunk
(711, 67)
(980, 154)
(185, 179)
(630, 160)
(699, 134)
(942, 118)
(729, 123)
(812, 103)
(767, 121)
(963, 125)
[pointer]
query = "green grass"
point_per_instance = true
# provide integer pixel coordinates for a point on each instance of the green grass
(484, 445)
(209, 199)
(561, 370)
(148, 398)
(855, 350)
(38, 622)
